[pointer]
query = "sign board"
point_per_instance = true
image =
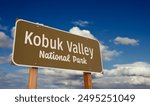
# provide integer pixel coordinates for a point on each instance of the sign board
(41, 46)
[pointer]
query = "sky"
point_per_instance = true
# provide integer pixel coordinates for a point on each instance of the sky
(121, 26)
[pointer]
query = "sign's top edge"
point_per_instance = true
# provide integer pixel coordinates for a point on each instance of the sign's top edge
(18, 20)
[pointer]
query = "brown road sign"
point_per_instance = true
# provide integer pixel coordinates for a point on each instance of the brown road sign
(41, 46)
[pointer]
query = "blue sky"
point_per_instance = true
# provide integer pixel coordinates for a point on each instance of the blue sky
(122, 27)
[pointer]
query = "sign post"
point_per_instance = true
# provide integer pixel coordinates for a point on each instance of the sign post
(87, 80)
(32, 80)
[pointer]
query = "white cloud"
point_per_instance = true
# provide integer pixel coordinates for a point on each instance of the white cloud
(123, 76)
(84, 33)
(5, 59)
(134, 75)
(5, 41)
(108, 54)
(134, 69)
(12, 32)
(63, 72)
(12, 80)
(81, 23)
(126, 41)
(122, 82)
(56, 78)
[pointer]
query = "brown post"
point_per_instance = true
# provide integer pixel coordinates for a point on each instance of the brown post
(32, 80)
(87, 80)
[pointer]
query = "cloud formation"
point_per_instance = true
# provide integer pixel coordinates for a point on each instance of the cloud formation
(123, 76)
(126, 41)
(122, 82)
(81, 23)
(134, 69)
(12, 80)
(12, 32)
(5, 41)
(133, 76)
(84, 33)
(5, 59)
(47, 79)
(108, 54)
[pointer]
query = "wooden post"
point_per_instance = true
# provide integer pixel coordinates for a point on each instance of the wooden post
(87, 80)
(32, 80)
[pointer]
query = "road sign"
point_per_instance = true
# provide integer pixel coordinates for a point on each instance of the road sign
(41, 46)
